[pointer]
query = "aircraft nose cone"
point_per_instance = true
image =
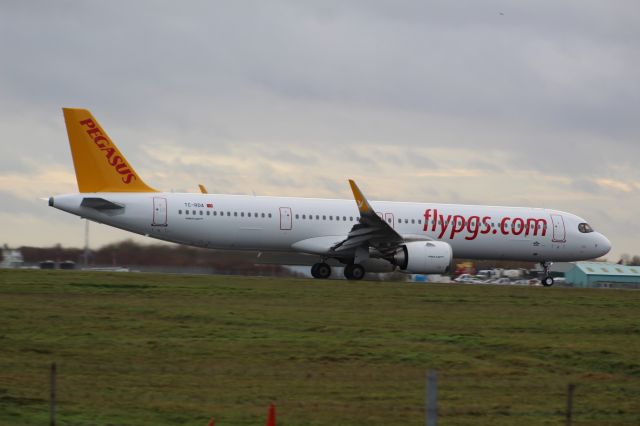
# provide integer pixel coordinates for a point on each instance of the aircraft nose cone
(603, 245)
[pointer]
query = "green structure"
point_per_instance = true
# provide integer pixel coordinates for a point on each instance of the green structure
(600, 274)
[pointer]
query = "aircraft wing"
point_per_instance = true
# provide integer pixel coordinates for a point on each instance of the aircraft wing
(372, 231)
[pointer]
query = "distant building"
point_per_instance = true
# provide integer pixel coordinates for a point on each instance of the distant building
(11, 258)
(600, 274)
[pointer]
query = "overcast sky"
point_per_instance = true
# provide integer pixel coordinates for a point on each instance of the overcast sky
(528, 103)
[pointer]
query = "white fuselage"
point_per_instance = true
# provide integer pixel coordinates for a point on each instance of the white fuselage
(262, 223)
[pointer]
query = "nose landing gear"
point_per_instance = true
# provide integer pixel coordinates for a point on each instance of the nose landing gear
(547, 281)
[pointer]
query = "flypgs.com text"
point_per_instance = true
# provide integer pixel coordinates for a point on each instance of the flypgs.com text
(454, 224)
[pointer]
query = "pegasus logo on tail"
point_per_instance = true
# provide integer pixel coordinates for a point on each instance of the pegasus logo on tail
(115, 161)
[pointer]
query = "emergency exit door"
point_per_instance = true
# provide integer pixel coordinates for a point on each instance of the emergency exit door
(389, 218)
(159, 211)
(286, 221)
(559, 233)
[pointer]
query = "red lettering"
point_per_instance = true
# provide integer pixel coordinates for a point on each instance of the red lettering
(537, 224)
(427, 215)
(455, 224)
(115, 160)
(435, 220)
(443, 225)
(458, 225)
(94, 131)
(473, 226)
(109, 151)
(517, 230)
(503, 224)
(100, 139)
(486, 221)
(128, 178)
(88, 122)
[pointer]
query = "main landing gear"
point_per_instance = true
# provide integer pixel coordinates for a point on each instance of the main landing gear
(321, 270)
(352, 271)
(547, 281)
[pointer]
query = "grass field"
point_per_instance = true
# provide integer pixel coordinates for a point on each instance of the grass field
(147, 349)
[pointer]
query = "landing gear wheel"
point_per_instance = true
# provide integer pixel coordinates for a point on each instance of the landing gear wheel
(354, 272)
(321, 271)
(547, 281)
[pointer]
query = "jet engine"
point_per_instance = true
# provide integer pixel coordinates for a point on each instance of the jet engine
(424, 257)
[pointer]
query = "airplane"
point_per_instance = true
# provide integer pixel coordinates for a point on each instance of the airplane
(417, 238)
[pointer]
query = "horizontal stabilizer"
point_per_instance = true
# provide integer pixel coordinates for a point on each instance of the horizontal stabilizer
(100, 204)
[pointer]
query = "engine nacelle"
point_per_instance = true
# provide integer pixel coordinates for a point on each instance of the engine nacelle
(424, 257)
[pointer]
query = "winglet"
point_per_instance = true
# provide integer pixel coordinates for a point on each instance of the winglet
(363, 205)
(100, 166)
(202, 189)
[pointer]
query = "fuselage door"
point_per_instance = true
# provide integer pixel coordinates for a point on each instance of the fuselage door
(559, 233)
(389, 218)
(159, 211)
(286, 222)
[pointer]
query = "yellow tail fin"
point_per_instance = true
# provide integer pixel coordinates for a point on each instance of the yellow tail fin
(100, 167)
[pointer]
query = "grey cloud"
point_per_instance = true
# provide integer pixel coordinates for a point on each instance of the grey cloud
(585, 185)
(11, 204)
(551, 87)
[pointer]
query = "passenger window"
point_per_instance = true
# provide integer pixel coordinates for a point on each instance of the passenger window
(208, 213)
(330, 217)
(194, 212)
(344, 218)
(228, 213)
(324, 217)
(248, 214)
(201, 213)
(399, 220)
(297, 217)
(413, 221)
(350, 218)
(337, 217)
(179, 211)
(186, 212)
(235, 214)
(242, 214)
(406, 221)
(317, 217)
(215, 213)
(269, 215)
(262, 214)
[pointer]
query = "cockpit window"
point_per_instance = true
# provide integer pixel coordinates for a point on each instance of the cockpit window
(585, 228)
